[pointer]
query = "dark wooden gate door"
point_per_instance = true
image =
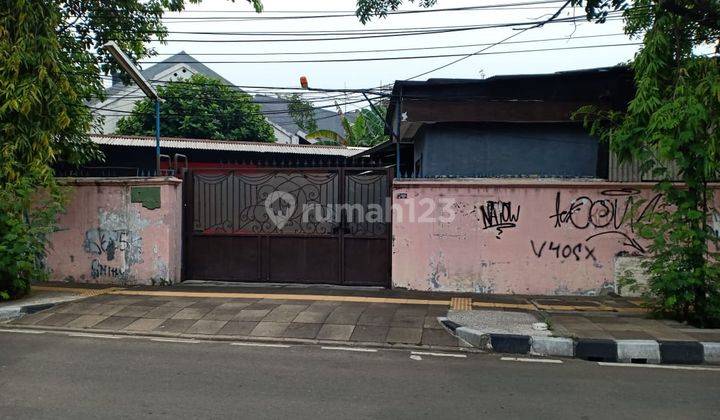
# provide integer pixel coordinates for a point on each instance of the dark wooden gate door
(288, 225)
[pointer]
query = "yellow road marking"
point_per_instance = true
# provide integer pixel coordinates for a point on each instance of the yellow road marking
(461, 304)
(78, 290)
(278, 296)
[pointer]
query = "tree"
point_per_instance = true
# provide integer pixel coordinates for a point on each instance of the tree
(673, 120)
(367, 130)
(50, 67)
(200, 107)
(302, 113)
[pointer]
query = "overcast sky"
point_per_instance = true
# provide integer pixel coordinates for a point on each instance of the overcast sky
(369, 74)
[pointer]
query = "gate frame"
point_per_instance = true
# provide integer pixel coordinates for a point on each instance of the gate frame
(188, 216)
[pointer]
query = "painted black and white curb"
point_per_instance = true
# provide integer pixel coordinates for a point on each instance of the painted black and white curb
(15, 311)
(625, 351)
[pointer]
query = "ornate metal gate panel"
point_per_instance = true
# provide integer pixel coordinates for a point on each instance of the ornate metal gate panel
(288, 225)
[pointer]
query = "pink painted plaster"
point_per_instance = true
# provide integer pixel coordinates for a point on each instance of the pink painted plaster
(560, 237)
(104, 238)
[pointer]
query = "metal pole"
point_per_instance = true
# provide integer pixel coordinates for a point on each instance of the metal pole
(157, 137)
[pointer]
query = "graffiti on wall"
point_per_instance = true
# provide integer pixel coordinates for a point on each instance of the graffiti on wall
(616, 213)
(499, 215)
(559, 250)
(115, 244)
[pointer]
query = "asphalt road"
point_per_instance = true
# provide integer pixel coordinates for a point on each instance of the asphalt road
(58, 376)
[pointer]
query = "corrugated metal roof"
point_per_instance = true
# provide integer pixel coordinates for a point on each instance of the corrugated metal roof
(228, 145)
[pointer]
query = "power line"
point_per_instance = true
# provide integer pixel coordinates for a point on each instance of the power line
(417, 57)
(385, 35)
(333, 52)
(551, 19)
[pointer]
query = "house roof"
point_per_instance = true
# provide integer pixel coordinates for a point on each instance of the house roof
(225, 145)
(275, 109)
(551, 97)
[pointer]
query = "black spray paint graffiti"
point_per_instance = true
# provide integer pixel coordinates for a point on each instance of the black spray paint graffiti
(612, 214)
(497, 215)
(101, 241)
(577, 251)
(113, 244)
(98, 269)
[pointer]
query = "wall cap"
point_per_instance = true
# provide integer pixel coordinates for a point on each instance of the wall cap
(523, 182)
(119, 181)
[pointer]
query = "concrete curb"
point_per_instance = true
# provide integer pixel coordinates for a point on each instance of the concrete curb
(597, 350)
(15, 311)
(235, 338)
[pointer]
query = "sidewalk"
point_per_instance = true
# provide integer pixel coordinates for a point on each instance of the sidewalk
(374, 317)
(336, 318)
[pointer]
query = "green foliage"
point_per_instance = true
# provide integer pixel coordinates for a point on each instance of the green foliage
(367, 130)
(302, 113)
(367, 9)
(26, 217)
(200, 107)
(671, 128)
(50, 66)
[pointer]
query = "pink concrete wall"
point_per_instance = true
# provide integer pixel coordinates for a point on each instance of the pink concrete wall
(514, 236)
(106, 238)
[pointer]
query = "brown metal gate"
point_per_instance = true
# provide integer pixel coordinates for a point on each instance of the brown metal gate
(288, 225)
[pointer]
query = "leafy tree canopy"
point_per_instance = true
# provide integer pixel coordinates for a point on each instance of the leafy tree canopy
(200, 107)
(671, 123)
(50, 67)
(302, 112)
(368, 129)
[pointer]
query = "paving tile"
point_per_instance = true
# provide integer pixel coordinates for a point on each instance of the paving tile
(438, 310)
(107, 309)
(206, 326)
(80, 308)
(211, 303)
(431, 322)
(175, 325)
(669, 334)
(346, 315)
(134, 311)
(262, 306)
(438, 338)
(269, 329)
(144, 324)
(237, 328)
(409, 319)
(299, 330)
(252, 314)
(114, 323)
(404, 335)
(222, 314)
(312, 317)
(631, 335)
(86, 321)
(335, 332)
(33, 318)
(284, 313)
(372, 333)
(58, 320)
(704, 336)
(180, 303)
(236, 304)
(191, 313)
(162, 312)
(595, 334)
(376, 317)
